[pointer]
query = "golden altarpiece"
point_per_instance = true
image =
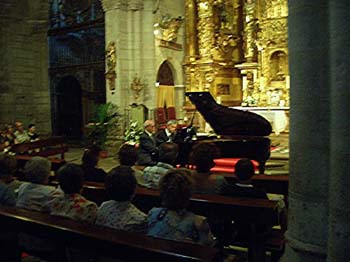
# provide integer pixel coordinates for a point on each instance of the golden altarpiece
(237, 50)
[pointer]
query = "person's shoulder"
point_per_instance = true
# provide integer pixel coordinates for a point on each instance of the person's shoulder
(155, 211)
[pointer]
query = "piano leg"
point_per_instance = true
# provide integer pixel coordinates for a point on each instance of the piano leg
(261, 167)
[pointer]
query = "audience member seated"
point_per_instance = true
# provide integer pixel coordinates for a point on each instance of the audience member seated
(167, 155)
(167, 134)
(202, 157)
(7, 194)
(119, 212)
(37, 195)
(8, 169)
(9, 137)
(33, 136)
(127, 156)
(172, 220)
(244, 171)
(72, 204)
(9, 250)
(21, 136)
(148, 151)
(90, 160)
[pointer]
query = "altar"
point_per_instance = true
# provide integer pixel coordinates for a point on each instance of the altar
(277, 116)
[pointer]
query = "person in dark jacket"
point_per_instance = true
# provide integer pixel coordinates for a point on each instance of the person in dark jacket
(148, 151)
(244, 171)
(89, 164)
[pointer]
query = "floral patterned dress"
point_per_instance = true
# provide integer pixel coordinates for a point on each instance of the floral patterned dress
(180, 225)
(121, 215)
(74, 206)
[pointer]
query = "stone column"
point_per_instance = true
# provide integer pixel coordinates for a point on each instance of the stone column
(339, 192)
(309, 131)
(114, 30)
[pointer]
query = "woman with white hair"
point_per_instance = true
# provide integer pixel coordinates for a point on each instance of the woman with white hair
(36, 194)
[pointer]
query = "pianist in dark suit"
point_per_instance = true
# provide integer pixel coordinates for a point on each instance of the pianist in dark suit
(148, 151)
(167, 134)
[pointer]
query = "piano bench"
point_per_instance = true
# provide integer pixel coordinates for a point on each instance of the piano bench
(227, 165)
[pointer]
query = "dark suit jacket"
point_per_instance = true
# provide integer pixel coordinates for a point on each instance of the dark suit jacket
(238, 191)
(148, 151)
(161, 137)
(250, 192)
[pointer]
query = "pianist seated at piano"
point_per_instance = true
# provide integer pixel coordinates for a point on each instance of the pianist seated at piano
(202, 158)
(168, 134)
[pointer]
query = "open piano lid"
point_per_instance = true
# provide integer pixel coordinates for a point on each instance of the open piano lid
(229, 121)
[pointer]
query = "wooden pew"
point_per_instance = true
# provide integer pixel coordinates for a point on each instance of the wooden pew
(251, 211)
(99, 240)
(53, 148)
(277, 184)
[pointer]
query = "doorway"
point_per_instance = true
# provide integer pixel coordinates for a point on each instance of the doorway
(69, 108)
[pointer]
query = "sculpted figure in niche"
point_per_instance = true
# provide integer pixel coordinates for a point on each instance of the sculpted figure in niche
(249, 9)
(111, 57)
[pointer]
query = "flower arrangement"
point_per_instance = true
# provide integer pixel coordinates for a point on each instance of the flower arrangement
(249, 101)
(132, 133)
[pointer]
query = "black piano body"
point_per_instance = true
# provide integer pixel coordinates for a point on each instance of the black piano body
(243, 133)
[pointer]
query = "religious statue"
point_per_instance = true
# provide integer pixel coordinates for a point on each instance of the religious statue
(111, 61)
(137, 86)
(249, 30)
(170, 28)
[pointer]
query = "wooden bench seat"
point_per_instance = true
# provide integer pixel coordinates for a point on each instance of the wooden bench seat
(218, 207)
(52, 148)
(99, 240)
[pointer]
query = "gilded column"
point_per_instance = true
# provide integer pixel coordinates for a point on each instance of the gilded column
(205, 29)
(249, 30)
(191, 51)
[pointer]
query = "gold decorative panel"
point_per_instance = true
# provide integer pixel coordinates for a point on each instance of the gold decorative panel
(238, 50)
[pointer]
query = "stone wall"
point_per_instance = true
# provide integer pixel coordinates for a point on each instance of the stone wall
(24, 88)
(130, 26)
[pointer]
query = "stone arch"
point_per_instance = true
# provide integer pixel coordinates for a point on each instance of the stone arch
(165, 75)
(176, 68)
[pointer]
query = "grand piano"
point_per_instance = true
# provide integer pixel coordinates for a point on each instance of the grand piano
(242, 133)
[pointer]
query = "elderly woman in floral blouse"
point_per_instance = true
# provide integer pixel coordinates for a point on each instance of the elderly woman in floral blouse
(73, 205)
(119, 212)
(172, 220)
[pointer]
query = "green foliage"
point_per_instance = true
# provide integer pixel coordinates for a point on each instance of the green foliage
(132, 133)
(105, 116)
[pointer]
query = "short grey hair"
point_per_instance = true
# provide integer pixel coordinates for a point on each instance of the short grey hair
(37, 169)
(148, 123)
(171, 122)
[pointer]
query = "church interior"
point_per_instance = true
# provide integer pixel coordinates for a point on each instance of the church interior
(93, 71)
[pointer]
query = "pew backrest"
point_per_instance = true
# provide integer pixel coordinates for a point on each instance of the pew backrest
(47, 147)
(234, 208)
(119, 244)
